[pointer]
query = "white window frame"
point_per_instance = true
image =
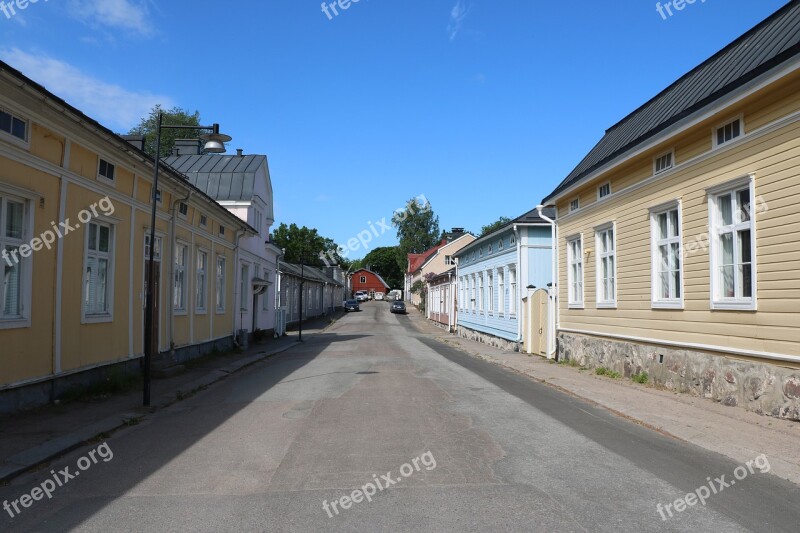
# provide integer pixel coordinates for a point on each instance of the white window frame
(600, 301)
(244, 284)
(9, 137)
(481, 302)
(574, 300)
(203, 220)
(363, 279)
(575, 204)
(715, 131)
(501, 291)
(474, 299)
(220, 284)
(112, 180)
(732, 187)
(600, 194)
(656, 159)
(107, 316)
(180, 308)
(656, 242)
(490, 292)
(201, 282)
(23, 320)
(513, 291)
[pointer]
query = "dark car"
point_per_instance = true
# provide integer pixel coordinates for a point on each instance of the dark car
(351, 305)
(399, 307)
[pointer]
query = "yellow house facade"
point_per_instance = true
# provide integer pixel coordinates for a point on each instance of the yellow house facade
(75, 209)
(678, 233)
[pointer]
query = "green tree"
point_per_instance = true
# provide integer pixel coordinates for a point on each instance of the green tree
(417, 228)
(499, 223)
(306, 245)
(386, 262)
(173, 117)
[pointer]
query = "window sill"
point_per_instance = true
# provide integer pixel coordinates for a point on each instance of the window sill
(667, 305)
(97, 319)
(107, 181)
(179, 312)
(734, 306)
(11, 139)
(222, 311)
(200, 312)
(606, 305)
(575, 306)
(14, 323)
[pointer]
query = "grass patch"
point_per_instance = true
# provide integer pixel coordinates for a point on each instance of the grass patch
(603, 371)
(569, 362)
(641, 378)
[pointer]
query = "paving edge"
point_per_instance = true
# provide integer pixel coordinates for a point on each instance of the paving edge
(32, 458)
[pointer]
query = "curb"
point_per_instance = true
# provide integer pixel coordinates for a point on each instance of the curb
(31, 458)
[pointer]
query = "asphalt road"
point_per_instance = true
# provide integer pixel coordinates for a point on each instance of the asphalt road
(445, 441)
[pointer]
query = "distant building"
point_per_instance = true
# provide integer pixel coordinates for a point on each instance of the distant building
(494, 273)
(434, 261)
(322, 292)
(366, 280)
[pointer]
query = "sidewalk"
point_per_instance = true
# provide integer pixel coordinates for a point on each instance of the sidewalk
(731, 431)
(30, 438)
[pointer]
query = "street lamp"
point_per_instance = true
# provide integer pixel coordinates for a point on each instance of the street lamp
(214, 144)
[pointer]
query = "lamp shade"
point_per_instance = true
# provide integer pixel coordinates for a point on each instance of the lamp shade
(215, 142)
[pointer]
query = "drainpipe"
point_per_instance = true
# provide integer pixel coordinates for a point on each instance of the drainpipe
(173, 242)
(237, 272)
(553, 321)
(455, 297)
(519, 278)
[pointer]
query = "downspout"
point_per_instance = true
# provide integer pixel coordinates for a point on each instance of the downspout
(518, 299)
(455, 298)
(173, 242)
(554, 322)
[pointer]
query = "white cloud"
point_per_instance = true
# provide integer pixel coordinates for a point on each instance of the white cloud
(458, 13)
(131, 15)
(111, 105)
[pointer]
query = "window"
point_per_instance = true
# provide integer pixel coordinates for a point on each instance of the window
(13, 125)
(183, 209)
(513, 240)
(158, 194)
(363, 279)
(733, 276)
(603, 191)
(728, 132)
(490, 285)
(245, 283)
(575, 272)
(203, 221)
(480, 292)
(491, 249)
(106, 170)
(606, 267)
(667, 276)
(512, 294)
(179, 285)
(156, 247)
(473, 301)
(221, 289)
(449, 260)
(574, 205)
(501, 291)
(98, 268)
(12, 233)
(480, 251)
(663, 163)
(201, 275)
(222, 231)
(500, 244)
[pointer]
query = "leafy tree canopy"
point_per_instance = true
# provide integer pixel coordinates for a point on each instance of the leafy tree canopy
(499, 223)
(417, 227)
(173, 117)
(306, 245)
(386, 261)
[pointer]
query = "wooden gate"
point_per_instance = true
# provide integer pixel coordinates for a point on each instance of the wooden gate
(536, 321)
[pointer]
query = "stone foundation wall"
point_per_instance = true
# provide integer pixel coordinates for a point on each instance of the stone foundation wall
(762, 387)
(485, 338)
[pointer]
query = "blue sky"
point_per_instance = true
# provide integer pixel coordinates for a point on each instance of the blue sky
(481, 106)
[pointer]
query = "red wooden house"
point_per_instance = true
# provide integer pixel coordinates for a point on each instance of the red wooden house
(366, 280)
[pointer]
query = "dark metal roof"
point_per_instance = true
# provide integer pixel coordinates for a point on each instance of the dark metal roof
(766, 46)
(531, 217)
(308, 273)
(223, 177)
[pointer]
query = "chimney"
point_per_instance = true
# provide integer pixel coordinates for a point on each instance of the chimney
(135, 140)
(454, 234)
(187, 147)
(239, 152)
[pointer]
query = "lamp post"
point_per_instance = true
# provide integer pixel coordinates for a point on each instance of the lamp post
(215, 144)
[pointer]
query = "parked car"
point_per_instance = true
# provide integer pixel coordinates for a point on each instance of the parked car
(379, 296)
(351, 305)
(399, 307)
(362, 296)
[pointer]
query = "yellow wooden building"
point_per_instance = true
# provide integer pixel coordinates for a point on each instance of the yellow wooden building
(678, 233)
(74, 213)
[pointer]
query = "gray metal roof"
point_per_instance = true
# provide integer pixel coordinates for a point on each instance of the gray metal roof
(531, 217)
(223, 177)
(308, 273)
(766, 46)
